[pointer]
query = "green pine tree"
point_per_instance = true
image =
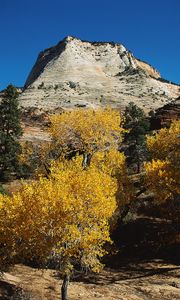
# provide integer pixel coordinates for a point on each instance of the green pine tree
(137, 125)
(10, 131)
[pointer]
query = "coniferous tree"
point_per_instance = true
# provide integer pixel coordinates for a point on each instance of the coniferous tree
(137, 126)
(10, 131)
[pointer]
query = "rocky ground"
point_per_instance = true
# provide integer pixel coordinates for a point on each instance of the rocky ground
(153, 279)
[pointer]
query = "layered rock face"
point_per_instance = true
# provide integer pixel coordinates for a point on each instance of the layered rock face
(165, 115)
(77, 73)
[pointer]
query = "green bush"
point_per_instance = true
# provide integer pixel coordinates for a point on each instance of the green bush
(2, 190)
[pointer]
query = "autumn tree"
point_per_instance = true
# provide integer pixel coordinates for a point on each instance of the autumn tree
(163, 172)
(81, 131)
(33, 158)
(66, 215)
(86, 131)
(92, 133)
(10, 131)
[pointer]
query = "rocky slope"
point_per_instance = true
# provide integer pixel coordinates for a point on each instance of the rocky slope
(165, 115)
(77, 73)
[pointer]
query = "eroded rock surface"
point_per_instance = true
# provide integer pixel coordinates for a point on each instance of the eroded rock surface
(77, 73)
(165, 115)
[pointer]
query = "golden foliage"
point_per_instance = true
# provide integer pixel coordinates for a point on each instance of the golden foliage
(83, 131)
(163, 172)
(26, 152)
(86, 130)
(113, 162)
(165, 143)
(66, 215)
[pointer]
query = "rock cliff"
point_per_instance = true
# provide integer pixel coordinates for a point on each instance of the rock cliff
(77, 73)
(163, 116)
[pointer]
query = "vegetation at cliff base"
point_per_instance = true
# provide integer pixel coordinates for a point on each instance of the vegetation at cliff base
(10, 131)
(83, 186)
(163, 171)
(67, 214)
(137, 126)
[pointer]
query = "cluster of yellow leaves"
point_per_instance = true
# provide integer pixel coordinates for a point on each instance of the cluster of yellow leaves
(66, 215)
(165, 143)
(113, 162)
(26, 152)
(35, 155)
(83, 131)
(86, 130)
(163, 172)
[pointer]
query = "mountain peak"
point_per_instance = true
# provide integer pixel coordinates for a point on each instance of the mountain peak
(83, 73)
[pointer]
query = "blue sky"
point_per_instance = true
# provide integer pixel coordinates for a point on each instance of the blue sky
(148, 28)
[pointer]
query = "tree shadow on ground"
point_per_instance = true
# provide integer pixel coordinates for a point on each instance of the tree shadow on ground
(143, 248)
(10, 291)
(146, 238)
(128, 272)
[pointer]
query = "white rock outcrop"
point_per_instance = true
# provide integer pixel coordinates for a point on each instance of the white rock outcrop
(77, 73)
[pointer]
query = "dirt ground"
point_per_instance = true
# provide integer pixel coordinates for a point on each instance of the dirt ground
(135, 281)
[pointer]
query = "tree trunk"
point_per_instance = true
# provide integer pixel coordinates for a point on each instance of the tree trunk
(138, 162)
(64, 287)
(86, 160)
(138, 165)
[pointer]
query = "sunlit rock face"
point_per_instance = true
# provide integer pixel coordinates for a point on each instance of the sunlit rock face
(77, 73)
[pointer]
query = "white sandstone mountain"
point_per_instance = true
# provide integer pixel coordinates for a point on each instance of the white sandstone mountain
(77, 73)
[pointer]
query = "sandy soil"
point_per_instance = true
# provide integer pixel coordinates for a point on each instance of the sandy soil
(148, 280)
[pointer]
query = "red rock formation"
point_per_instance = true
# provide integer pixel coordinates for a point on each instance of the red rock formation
(165, 115)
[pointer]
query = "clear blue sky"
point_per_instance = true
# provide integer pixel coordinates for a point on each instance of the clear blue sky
(148, 28)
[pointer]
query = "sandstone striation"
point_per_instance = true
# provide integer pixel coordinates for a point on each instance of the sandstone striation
(163, 116)
(77, 73)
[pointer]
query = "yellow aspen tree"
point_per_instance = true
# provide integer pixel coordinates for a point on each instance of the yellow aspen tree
(163, 172)
(86, 130)
(65, 216)
(113, 162)
(96, 134)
